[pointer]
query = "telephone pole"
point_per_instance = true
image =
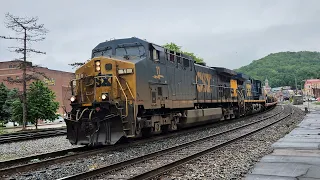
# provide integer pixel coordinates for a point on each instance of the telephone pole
(295, 79)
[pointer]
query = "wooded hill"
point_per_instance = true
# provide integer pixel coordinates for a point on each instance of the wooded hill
(281, 68)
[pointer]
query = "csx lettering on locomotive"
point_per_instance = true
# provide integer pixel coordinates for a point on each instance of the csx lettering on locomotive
(203, 81)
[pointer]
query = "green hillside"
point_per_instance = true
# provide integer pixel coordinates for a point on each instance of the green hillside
(281, 67)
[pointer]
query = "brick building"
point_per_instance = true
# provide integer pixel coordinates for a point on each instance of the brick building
(311, 87)
(57, 81)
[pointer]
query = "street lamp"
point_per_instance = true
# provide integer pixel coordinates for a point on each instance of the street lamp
(295, 80)
(307, 93)
(303, 87)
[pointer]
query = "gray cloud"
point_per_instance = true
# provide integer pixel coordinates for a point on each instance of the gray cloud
(225, 33)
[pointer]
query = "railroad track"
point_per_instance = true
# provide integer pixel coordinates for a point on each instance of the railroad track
(151, 165)
(21, 136)
(33, 162)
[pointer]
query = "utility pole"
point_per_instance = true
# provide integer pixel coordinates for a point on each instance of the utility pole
(295, 78)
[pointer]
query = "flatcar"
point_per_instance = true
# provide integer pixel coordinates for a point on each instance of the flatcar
(134, 88)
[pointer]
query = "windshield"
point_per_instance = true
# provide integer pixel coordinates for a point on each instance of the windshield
(131, 52)
(102, 53)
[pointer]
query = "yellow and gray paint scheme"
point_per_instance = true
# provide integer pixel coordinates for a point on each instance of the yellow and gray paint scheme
(133, 88)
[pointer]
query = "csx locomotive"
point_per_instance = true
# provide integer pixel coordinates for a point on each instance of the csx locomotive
(134, 88)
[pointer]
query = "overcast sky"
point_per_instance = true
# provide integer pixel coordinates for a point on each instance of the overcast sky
(229, 33)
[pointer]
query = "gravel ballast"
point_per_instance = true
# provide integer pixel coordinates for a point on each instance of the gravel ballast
(108, 158)
(32, 147)
(166, 158)
(235, 160)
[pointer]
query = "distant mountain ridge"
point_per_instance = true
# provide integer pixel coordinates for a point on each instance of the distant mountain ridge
(282, 67)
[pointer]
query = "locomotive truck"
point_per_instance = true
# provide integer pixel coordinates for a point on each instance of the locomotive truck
(134, 88)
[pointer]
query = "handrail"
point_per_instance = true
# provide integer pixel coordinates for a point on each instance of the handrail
(117, 79)
(129, 90)
(123, 94)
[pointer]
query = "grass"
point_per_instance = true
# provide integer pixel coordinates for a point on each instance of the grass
(2, 131)
(316, 103)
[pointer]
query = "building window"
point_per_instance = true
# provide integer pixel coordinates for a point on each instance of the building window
(13, 66)
(49, 82)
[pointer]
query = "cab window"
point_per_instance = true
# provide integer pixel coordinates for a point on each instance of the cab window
(131, 51)
(102, 53)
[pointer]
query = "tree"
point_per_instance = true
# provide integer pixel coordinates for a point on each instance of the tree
(3, 97)
(281, 68)
(41, 103)
(16, 110)
(27, 31)
(173, 47)
(13, 95)
(197, 59)
(76, 64)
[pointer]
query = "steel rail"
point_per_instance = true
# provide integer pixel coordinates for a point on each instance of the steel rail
(64, 155)
(161, 170)
(21, 136)
(32, 131)
(6, 164)
(120, 165)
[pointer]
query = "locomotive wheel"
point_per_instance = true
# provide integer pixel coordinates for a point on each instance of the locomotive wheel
(173, 125)
(146, 132)
(164, 129)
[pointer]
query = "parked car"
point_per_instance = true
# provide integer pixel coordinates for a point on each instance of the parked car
(59, 120)
(312, 99)
(56, 121)
(11, 124)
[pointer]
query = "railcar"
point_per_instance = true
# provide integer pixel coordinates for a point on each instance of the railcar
(133, 88)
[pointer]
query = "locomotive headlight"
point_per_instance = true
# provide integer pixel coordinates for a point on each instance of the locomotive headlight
(72, 99)
(97, 65)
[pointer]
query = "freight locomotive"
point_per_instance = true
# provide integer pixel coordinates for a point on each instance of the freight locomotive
(133, 88)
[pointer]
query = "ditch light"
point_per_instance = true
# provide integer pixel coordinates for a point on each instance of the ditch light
(72, 99)
(105, 96)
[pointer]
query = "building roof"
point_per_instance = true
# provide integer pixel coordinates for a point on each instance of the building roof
(38, 66)
(312, 80)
